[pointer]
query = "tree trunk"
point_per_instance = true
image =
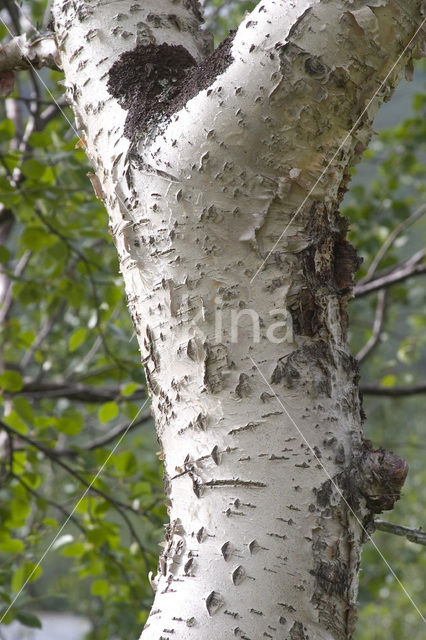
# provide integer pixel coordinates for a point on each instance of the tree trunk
(222, 175)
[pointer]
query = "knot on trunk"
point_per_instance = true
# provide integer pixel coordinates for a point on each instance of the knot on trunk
(381, 475)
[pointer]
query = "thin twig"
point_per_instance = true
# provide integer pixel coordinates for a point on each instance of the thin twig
(379, 321)
(399, 274)
(80, 392)
(413, 535)
(18, 271)
(51, 454)
(390, 240)
(70, 517)
(393, 392)
(113, 434)
(45, 329)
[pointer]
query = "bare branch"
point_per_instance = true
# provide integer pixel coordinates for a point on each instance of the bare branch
(390, 240)
(379, 321)
(413, 535)
(51, 454)
(83, 393)
(22, 53)
(18, 271)
(399, 274)
(393, 392)
(107, 439)
(45, 329)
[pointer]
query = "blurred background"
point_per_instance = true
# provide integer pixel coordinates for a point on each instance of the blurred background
(72, 382)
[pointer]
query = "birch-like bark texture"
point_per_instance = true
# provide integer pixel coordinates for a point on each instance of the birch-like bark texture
(202, 163)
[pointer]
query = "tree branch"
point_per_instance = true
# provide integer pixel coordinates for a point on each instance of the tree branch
(378, 324)
(51, 454)
(413, 535)
(23, 53)
(399, 274)
(79, 392)
(107, 439)
(393, 392)
(390, 240)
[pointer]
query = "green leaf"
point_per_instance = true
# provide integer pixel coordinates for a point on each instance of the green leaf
(37, 238)
(29, 619)
(125, 462)
(50, 522)
(7, 130)
(70, 423)
(24, 409)
(11, 381)
(14, 421)
(7, 615)
(108, 411)
(4, 254)
(32, 168)
(130, 389)
(77, 338)
(100, 588)
(74, 550)
(27, 572)
(388, 381)
(11, 545)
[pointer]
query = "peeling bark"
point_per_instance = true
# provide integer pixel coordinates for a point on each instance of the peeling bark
(203, 161)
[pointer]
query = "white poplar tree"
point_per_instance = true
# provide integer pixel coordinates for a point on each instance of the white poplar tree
(222, 173)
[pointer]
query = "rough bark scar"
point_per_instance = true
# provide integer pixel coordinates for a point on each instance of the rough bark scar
(155, 81)
(329, 264)
(382, 476)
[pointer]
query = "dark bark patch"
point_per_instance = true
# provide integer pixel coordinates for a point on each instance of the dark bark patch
(154, 81)
(315, 358)
(332, 578)
(297, 632)
(238, 575)
(329, 264)
(381, 477)
(216, 365)
(285, 372)
(201, 535)
(243, 388)
(227, 550)
(324, 493)
(305, 314)
(346, 262)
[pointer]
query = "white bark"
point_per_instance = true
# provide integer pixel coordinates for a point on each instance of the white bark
(23, 53)
(261, 544)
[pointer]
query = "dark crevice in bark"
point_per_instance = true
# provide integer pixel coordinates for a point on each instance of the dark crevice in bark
(329, 264)
(155, 81)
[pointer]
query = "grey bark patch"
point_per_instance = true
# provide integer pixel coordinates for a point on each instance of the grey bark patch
(154, 81)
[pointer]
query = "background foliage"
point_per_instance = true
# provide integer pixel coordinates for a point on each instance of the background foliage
(72, 382)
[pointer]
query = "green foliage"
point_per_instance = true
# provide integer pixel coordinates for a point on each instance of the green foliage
(72, 378)
(389, 187)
